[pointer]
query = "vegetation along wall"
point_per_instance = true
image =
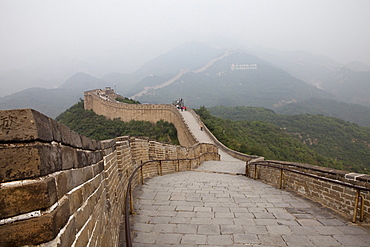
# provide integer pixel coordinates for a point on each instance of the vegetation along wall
(58, 188)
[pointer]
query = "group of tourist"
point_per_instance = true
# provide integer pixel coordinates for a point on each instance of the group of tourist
(180, 105)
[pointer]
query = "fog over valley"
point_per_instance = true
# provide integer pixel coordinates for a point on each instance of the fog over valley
(43, 43)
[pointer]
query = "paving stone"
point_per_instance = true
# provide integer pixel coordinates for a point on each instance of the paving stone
(331, 222)
(145, 237)
(354, 240)
(166, 213)
(353, 230)
(264, 215)
(273, 240)
(323, 240)
(246, 239)
(231, 229)
(169, 238)
(168, 228)
(309, 222)
(185, 208)
(287, 222)
(219, 240)
(159, 220)
(222, 221)
(297, 240)
(186, 228)
(203, 209)
(205, 214)
(244, 215)
(255, 229)
(180, 220)
(209, 229)
(142, 227)
(279, 230)
(327, 230)
(303, 230)
(194, 239)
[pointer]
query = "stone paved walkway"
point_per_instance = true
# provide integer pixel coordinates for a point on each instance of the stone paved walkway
(209, 209)
(212, 207)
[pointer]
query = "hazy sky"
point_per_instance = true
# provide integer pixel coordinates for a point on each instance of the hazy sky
(119, 35)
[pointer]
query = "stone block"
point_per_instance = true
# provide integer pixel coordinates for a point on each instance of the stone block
(77, 177)
(69, 235)
(27, 232)
(27, 197)
(82, 159)
(70, 137)
(87, 143)
(54, 125)
(98, 168)
(64, 183)
(35, 230)
(69, 157)
(24, 125)
(75, 200)
(28, 161)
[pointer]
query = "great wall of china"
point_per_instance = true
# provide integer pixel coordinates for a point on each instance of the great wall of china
(58, 188)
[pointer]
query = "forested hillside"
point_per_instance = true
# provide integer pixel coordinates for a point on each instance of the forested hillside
(345, 145)
(88, 123)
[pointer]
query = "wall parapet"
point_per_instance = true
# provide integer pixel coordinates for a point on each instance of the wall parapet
(59, 188)
(339, 190)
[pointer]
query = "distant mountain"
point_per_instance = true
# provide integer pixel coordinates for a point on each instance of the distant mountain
(16, 80)
(357, 66)
(82, 82)
(349, 83)
(353, 113)
(50, 102)
(308, 67)
(190, 56)
(349, 86)
(237, 79)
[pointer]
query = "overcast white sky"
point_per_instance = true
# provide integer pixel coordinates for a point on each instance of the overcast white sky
(120, 35)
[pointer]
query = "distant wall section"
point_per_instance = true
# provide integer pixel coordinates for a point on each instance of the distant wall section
(103, 102)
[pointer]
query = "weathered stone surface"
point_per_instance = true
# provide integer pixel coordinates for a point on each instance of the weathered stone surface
(24, 125)
(69, 157)
(32, 231)
(82, 159)
(36, 230)
(70, 137)
(64, 183)
(28, 161)
(28, 197)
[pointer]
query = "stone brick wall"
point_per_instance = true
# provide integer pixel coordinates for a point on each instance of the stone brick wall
(108, 107)
(58, 188)
(341, 198)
